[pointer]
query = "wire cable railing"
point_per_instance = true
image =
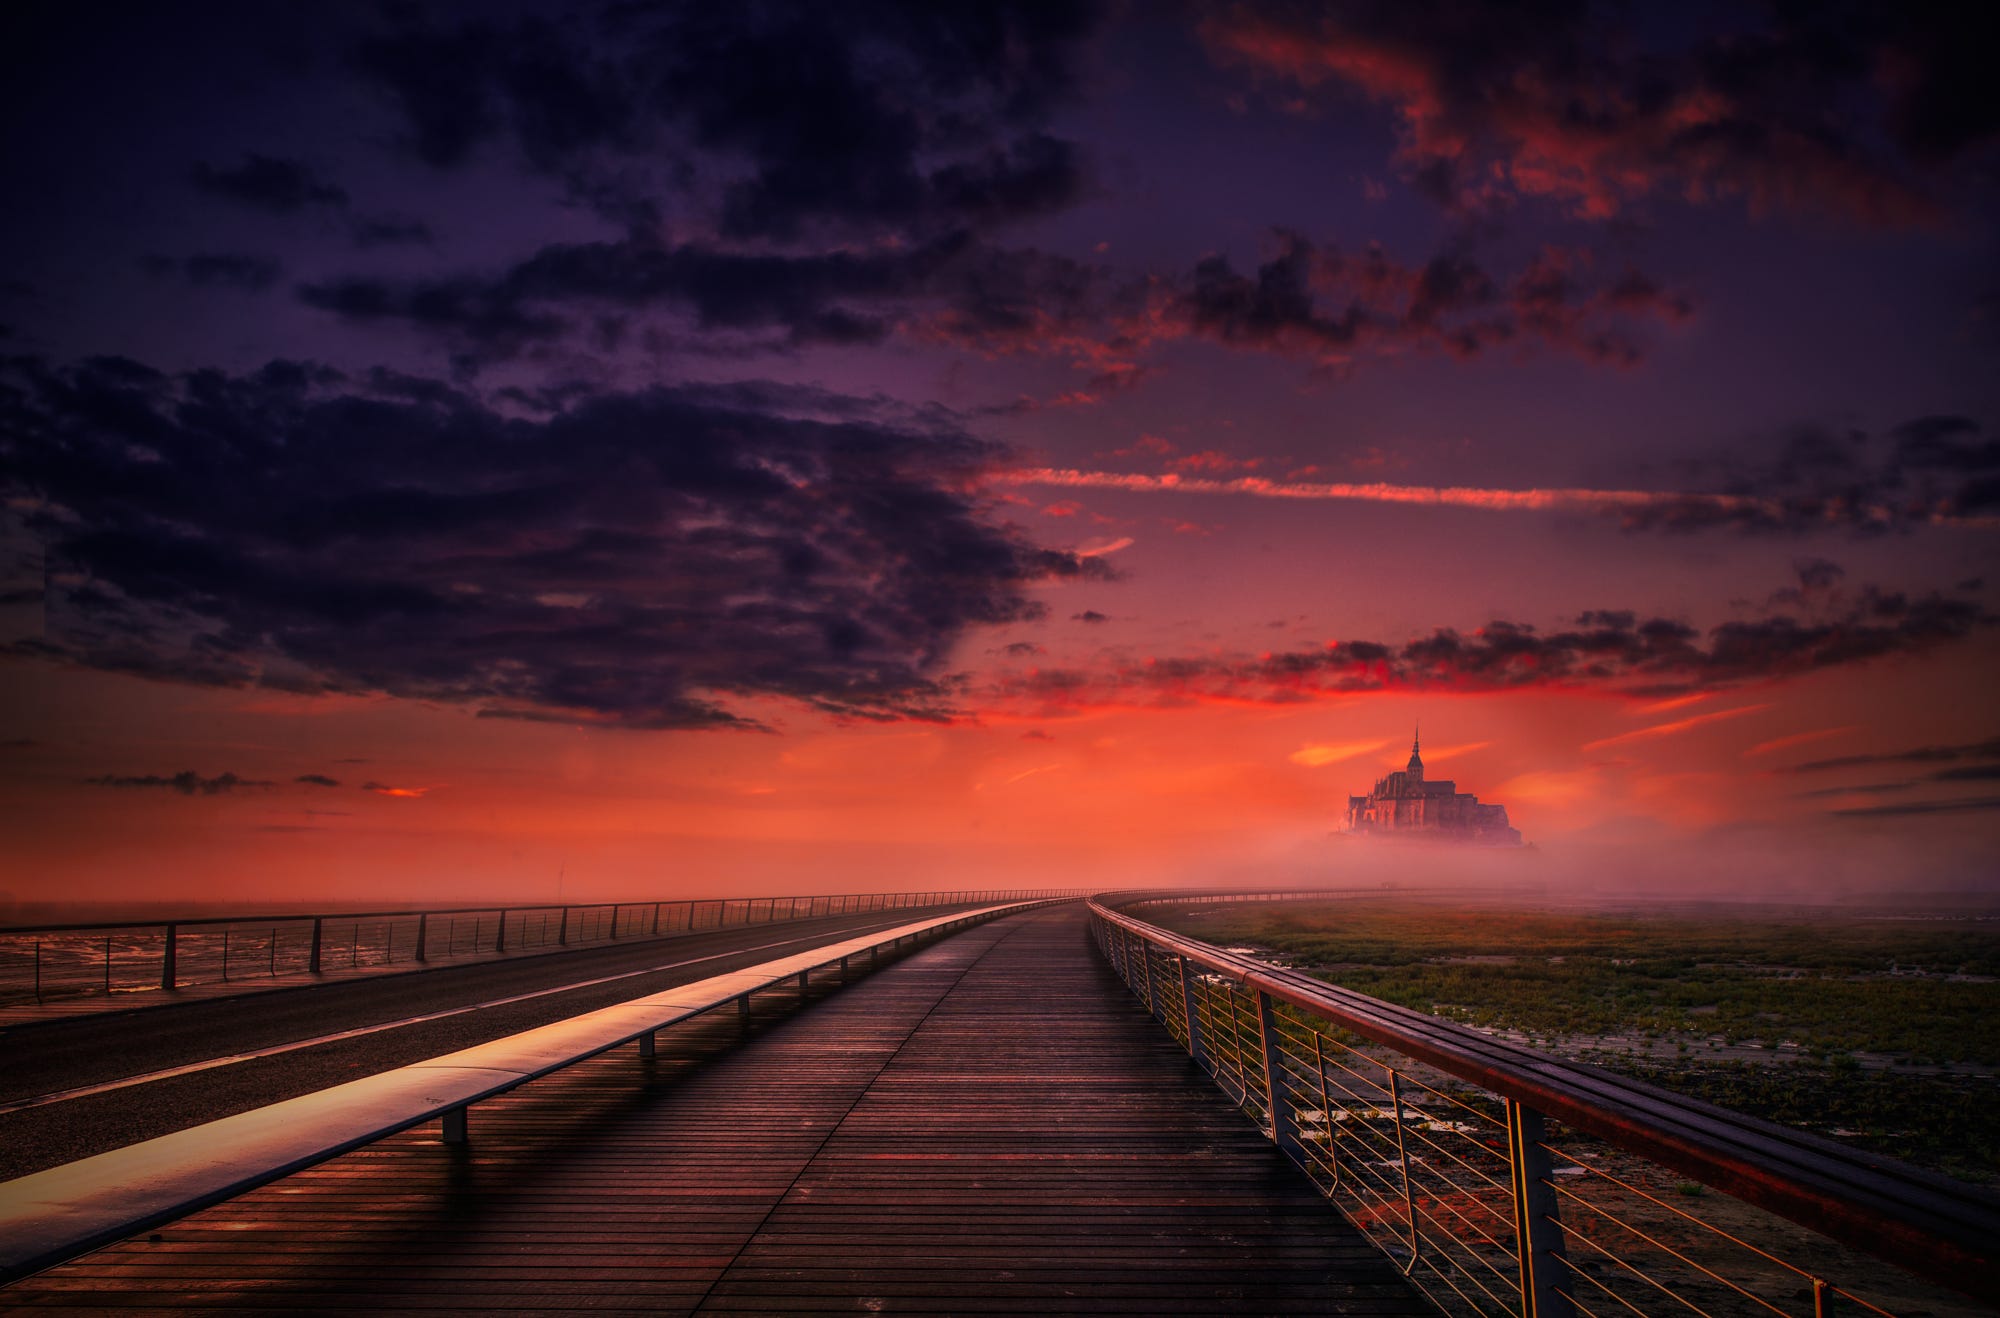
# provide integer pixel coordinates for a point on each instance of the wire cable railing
(1504, 1181)
(51, 963)
(60, 1212)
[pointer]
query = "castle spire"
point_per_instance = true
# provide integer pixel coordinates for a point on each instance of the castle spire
(1416, 767)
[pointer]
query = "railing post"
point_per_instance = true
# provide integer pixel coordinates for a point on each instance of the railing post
(1403, 1161)
(312, 960)
(562, 933)
(1197, 1047)
(423, 935)
(169, 973)
(656, 919)
(500, 935)
(1325, 1108)
(1152, 989)
(614, 923)
(1277, 1100)
(1538, 1233)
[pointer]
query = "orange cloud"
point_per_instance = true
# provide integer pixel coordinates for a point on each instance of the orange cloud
(1797, 739)
(1315, 756)
(1671, 729)
(384, 789)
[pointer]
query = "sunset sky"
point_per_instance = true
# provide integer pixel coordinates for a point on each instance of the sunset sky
(750, 447)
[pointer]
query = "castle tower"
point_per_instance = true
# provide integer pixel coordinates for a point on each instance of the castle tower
(1416, 766)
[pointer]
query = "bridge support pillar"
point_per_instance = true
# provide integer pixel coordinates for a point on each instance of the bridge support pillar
(1538, 1232)
(453, 1125)
(743, 1013)
(649, 1046)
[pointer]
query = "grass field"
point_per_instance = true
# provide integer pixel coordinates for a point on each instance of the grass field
(1881, 1031)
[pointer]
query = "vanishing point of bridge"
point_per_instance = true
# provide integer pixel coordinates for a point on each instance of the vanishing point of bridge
(991, 1120)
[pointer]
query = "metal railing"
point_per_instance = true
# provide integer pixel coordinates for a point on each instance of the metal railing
(43, 963)
(53, 1215)
(1505, 1181)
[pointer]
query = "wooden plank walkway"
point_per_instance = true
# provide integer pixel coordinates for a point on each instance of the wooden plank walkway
(989, 1126)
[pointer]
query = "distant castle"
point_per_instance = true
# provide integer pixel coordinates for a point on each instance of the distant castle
(1403, 804)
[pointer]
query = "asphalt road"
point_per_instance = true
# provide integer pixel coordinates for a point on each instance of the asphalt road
(61, 1055)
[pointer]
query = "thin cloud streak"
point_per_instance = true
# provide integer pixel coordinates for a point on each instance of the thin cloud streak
(1677, 726)
(1798, 739)
(1454, 496)
(1314, 756)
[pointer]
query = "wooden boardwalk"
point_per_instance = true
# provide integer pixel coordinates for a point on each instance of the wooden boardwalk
(990, 1126)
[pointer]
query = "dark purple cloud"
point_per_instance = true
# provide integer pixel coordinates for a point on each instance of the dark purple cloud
(187, 782)
(236, 270)
(1608, 650)
(960, 290)
(876, 115)
(836, 297)
(1938, 754)
(1815, 477)
(269, 183)
(1854, 109)
(1321, 302)
(389, 231)
(639, 559)
(1967, 805)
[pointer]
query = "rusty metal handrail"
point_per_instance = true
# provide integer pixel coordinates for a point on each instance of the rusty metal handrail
(1930, 1224)
(53, 1215)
